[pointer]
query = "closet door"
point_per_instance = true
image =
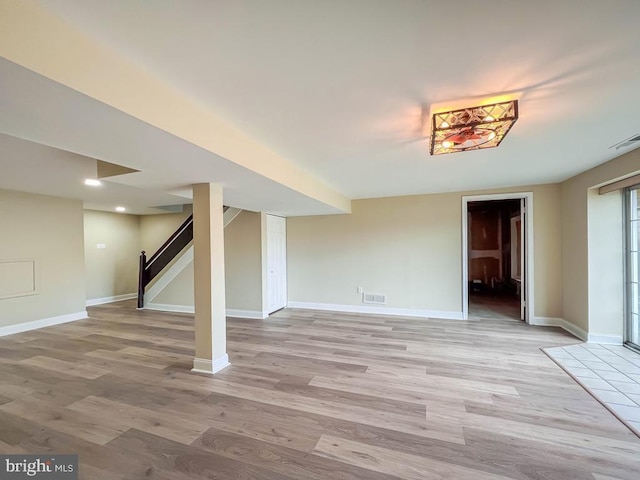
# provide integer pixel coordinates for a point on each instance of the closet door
(276, 263)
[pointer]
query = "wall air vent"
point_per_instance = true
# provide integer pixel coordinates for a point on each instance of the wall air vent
(632, 140)
(374, 298)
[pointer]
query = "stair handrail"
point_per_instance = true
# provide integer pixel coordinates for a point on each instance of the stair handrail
(144, 275)
(145, 270)
(169, 241)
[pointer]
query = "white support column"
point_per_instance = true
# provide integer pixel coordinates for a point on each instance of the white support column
(209, 280)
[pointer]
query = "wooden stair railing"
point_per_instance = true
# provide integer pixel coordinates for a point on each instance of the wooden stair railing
(149, 269)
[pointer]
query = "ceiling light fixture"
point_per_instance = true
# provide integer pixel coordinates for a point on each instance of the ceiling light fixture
(121, 209)
(92, 182)
(472, 128)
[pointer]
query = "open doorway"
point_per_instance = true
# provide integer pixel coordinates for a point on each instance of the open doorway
(496, 257)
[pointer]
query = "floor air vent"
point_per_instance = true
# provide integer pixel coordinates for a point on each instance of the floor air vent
(374, 298)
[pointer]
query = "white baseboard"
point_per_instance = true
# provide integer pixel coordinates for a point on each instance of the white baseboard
(45, 322)
(161, 307)
(578, 332)
(252, 314)
(562, 323)
(605, 338)
(403, 312)
(117, 298)
(203, 365)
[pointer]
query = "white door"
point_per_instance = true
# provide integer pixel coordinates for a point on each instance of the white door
(523, 258)
(276, 263)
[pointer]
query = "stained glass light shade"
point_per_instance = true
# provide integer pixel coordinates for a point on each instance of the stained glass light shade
(472, 128)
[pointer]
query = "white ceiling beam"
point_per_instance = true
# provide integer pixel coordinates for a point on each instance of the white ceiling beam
(44, 43)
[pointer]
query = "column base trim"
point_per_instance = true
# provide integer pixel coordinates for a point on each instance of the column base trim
(204, 365)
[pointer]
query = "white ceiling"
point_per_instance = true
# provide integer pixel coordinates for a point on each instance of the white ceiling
(35, 168)
(45, 113)
(343, 88)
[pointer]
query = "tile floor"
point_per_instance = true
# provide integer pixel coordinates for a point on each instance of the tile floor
(611, 373)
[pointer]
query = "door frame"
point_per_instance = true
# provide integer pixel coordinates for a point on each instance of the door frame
(529, 253)
(627, 334)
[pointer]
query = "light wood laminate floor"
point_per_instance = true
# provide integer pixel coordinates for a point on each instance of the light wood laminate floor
(494, 307)
(309, 395)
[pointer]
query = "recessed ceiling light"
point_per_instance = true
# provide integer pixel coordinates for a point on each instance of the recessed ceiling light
(92, 182)
(121, 209)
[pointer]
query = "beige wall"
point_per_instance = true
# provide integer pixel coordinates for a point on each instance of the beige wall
(575, 301)
(592, 248)
(179, 292)
(547, 239)
(409, 248)
(243, 262)
(112, 270)
(48, 230)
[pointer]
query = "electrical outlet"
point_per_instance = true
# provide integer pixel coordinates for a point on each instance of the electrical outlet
(359, 290)
(101, 245)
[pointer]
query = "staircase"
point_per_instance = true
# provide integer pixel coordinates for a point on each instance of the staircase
(157, 264)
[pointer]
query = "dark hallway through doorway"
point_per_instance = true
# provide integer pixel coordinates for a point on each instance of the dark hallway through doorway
(495, 259)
